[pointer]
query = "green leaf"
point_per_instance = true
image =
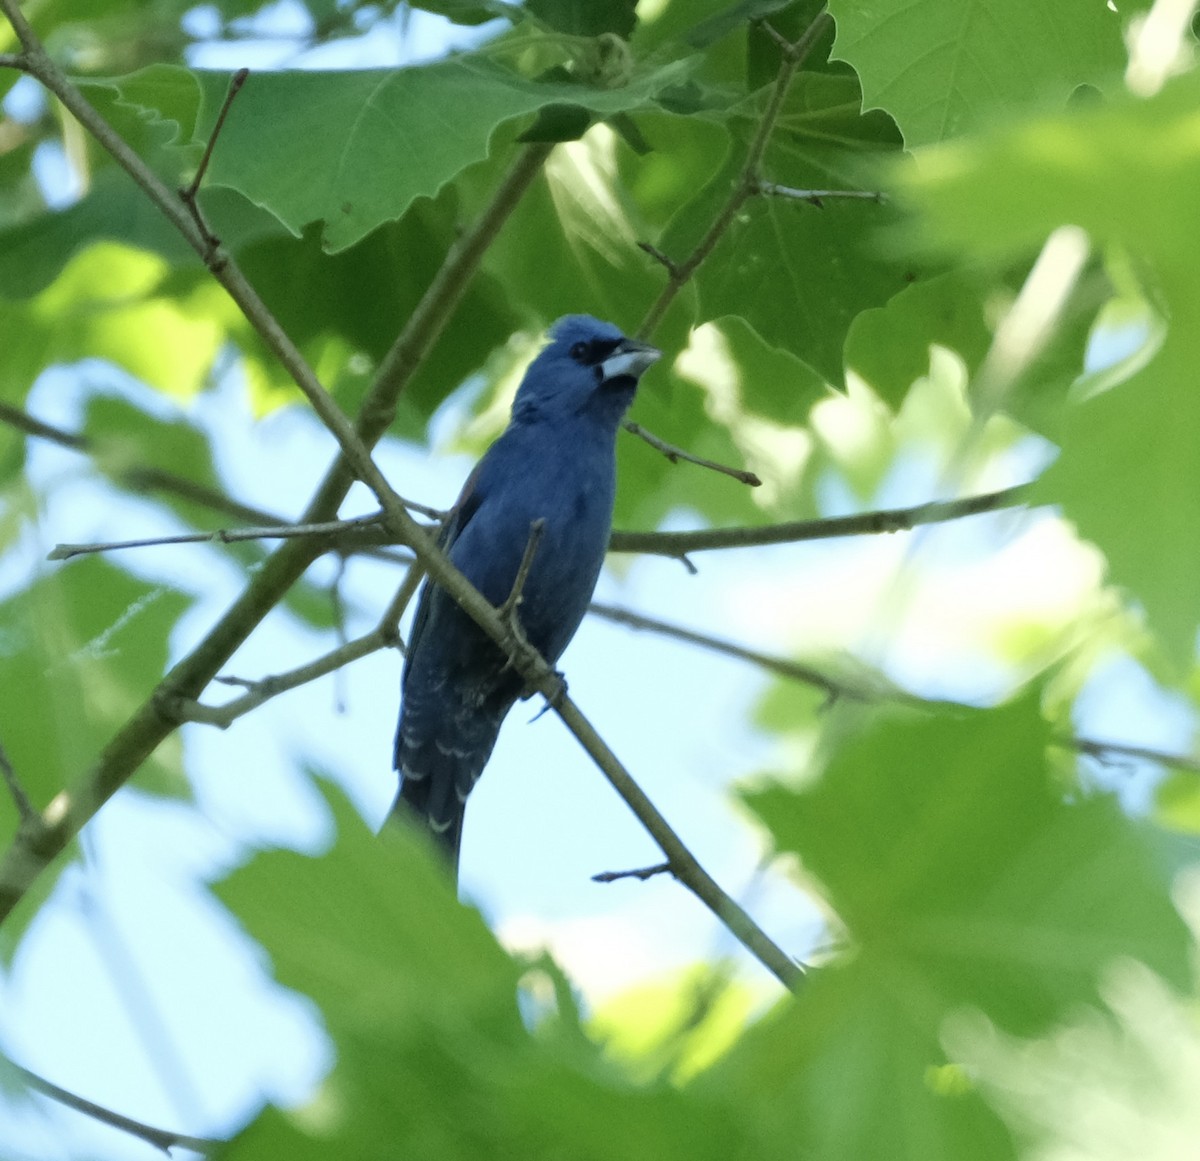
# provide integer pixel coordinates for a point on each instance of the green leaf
(957, 865)
(34, 253)
(889, 346)
(797, 273)
(354, 149)
(108, 303)
(79, 650)
(1129, 174)
(1128, 457)
(467, 11)
(943, 68)
(154, 110)
(344, 310)
(853, 1071)
(586, 17)
(421, 1004)
(964, 878)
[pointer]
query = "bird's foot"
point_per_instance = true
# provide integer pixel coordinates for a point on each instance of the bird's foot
(554, 698)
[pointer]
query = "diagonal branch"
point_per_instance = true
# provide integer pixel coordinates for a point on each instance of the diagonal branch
(164, 1139)
(385, 635)
(677, 455)
(749, 182)
(31, 852)
(158, 717)
(220, 264)
(25, 809)
(680, 273)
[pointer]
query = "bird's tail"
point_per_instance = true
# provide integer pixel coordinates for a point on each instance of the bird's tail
(436, 776)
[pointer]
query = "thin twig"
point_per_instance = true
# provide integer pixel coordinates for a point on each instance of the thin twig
(817, 196)
(265, 688)
(866, 690)
(145, 478)
(23, 421)
(188, 193)
(164, 1139)
(642, 873)
(25, 808)
(385, 635)
(678, 544)
(1108, 752)
(676, 454)
(680, 273)
(223, 535)
(508, 610)
(662, 259)
(14, 60)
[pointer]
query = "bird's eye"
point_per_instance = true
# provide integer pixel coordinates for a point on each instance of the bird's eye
(579, 352)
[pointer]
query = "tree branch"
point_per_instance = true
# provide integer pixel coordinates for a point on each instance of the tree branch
(25, 809)
(330, 528)
(385, 635)
(641, 873)
(37, 846)
(677, 454)
(164, 1139)
(679, 544)
(866, 691)
(1109, 752)
(816, 196)
(680, 273)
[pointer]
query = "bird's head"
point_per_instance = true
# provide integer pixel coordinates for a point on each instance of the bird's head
(588, 368)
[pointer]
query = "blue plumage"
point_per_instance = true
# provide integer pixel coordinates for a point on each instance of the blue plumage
(556, 462)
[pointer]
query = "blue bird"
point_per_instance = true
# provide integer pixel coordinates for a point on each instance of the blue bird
(555, 462)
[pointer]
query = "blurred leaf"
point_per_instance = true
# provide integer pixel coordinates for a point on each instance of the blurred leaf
(676, 1025)
(130, 446)
(106, 303)
(586, 17)
(889, 346)
(964, 879)
(432, 1011)
(957, 866)
(80, 649)
(1177, 802)
(942, 70)
(467, 11)
(850, 1072)
(1120, 172)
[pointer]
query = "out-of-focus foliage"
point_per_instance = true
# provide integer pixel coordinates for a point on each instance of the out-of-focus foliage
(981, 891)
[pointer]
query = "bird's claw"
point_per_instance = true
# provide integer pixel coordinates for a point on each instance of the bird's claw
(554, 698)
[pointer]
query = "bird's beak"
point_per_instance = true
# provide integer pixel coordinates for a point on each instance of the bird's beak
(630, 359)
